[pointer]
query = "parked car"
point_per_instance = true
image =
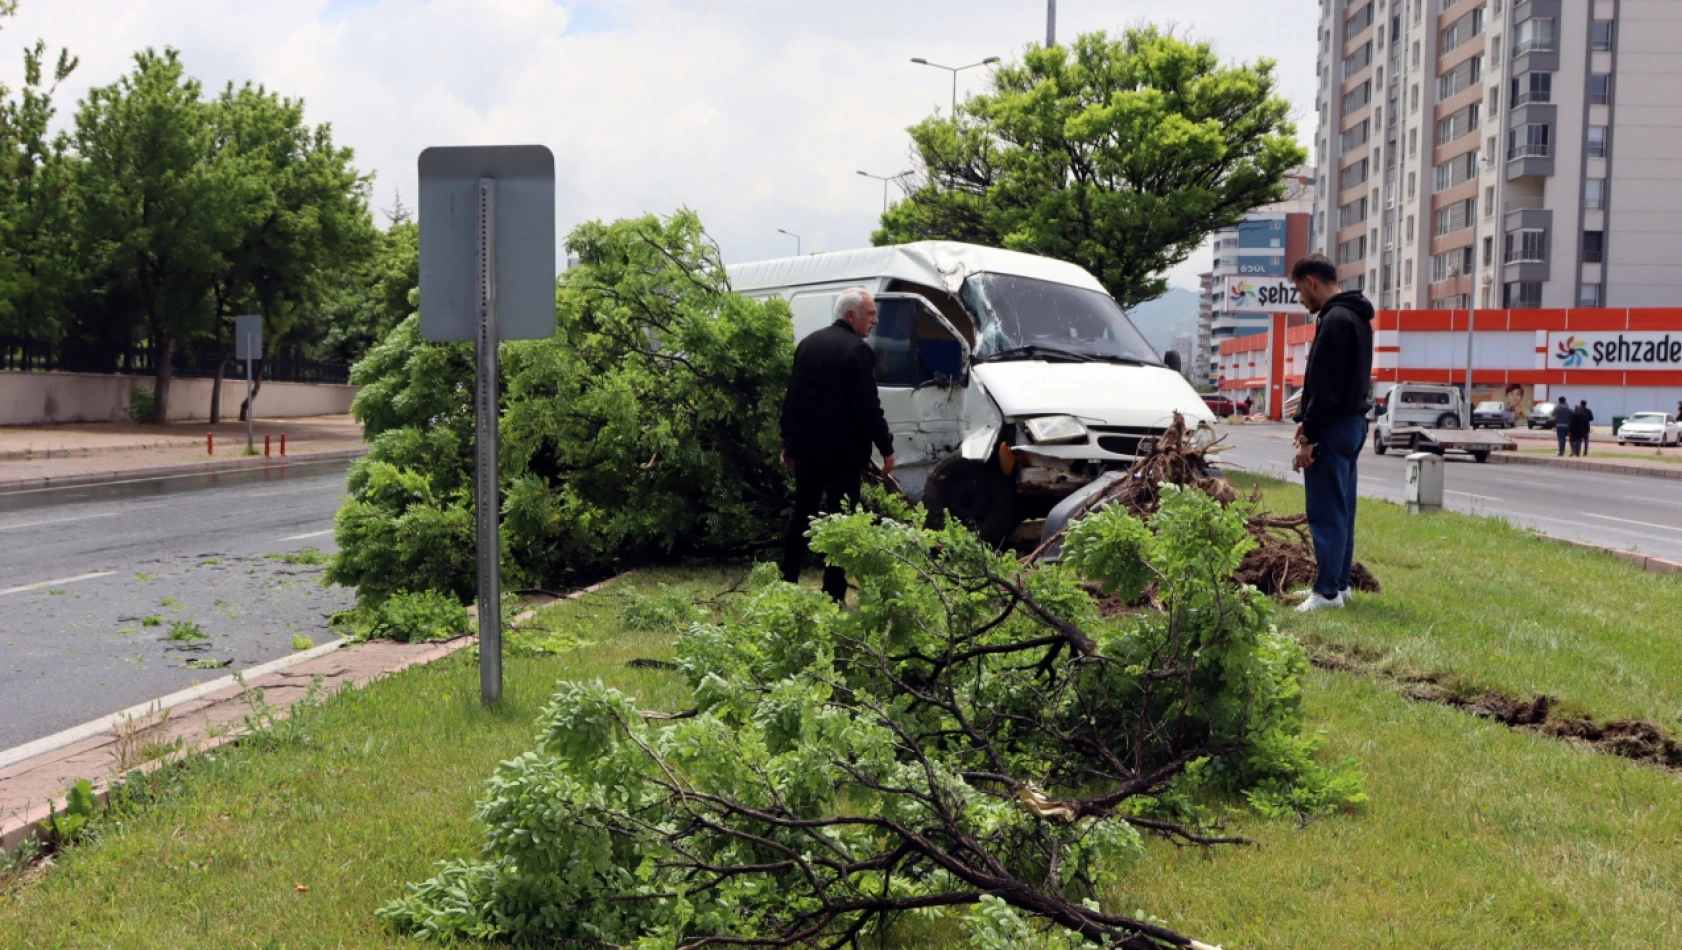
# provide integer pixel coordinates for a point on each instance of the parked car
(1541, 415)
(1220, 405)
(1650, 428)
(1494, 415)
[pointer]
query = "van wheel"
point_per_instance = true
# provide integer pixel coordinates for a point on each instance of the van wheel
(1448, 420)
(1481, 455)
(1378, 444)
(977, 494)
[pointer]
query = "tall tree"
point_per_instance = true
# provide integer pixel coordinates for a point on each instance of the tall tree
(298, 215)
(1120, 155)
(153, 207)
(371, 298)
(37, 246)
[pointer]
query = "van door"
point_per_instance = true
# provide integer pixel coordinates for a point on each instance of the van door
(922, 374)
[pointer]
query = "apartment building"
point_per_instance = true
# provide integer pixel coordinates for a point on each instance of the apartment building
(1515, 154)
(1260, 248)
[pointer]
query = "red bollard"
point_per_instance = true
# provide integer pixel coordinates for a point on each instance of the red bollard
(210, 443)
(283, 445)
(265, 446)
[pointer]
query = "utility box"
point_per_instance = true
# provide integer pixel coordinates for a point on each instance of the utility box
(1423, 488)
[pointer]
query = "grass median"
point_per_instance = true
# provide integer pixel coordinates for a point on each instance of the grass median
(1475, 834)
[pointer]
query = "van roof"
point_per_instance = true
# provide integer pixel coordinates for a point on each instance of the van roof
(931, 263)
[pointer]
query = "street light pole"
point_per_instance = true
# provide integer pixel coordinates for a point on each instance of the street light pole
(954, 70)
(796, 240)
(1050, 23)
(1472, 294)
(884, 179)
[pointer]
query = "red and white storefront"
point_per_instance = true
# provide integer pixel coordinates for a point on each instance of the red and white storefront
(1621, 361)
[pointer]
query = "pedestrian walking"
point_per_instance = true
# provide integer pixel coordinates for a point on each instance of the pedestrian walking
(1332, 423)
(1562, 422)
(832, 416)
(1581, 420)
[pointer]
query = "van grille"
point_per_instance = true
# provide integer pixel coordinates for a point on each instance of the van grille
(1124, 440)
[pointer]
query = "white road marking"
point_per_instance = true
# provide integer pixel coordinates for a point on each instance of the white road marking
(298, 491)
(36, 524)
(1644, 524)
(312, 534)
(1471, 495)
(62, 580)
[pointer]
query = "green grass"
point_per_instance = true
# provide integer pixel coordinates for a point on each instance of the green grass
(1654, 456)
(186, 630)
(309, 555)
(1474, 835)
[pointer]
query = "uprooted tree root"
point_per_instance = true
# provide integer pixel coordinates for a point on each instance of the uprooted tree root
(1283, 560)
(1635, 739)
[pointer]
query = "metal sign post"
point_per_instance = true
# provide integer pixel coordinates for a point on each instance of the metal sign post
(487, 274)
(248, 346)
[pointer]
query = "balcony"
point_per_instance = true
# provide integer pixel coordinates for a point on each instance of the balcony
(1529, 160)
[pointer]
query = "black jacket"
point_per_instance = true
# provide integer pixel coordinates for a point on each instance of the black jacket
(1581, 418)
(1338, 376)
(832, 413)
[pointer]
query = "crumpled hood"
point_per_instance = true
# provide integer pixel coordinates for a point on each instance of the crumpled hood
(1113, 394)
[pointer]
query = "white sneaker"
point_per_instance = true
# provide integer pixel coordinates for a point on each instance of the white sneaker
(1317, 602)
(1301, 595)
(1347, 596)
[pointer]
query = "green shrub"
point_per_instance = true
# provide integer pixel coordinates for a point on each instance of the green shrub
(408, 617)
(142, 405)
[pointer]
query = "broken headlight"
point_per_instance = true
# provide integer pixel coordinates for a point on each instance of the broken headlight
(1050, 430)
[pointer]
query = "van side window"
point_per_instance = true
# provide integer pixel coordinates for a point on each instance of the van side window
(894, 341)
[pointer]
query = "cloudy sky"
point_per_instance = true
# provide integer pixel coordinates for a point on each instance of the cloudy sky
(756, 113)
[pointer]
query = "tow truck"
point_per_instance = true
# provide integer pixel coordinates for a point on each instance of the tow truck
(1426, 417)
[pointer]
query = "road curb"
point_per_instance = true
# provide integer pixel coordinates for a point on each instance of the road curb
(14, 828)
(1554, 461)
(177, 471)
(1652, 565)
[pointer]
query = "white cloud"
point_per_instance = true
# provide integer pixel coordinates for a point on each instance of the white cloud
(755, 113)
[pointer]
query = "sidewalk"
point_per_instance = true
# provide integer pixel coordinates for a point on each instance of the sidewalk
(1541, 448)
(88, 453)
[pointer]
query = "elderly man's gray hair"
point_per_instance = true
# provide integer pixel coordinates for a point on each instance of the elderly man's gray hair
(851, 299)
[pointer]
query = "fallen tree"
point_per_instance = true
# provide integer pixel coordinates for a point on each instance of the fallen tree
(644, 429)
(973, 734)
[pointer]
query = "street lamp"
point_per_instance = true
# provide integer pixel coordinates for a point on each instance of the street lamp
(796, 240)
(954, 70)
(1483, 163)
(884, 179)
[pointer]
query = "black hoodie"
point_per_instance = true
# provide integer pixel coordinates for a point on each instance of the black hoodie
(1339, 373)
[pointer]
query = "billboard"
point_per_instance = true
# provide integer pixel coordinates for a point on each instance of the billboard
(1263, 294)
(1617, 349)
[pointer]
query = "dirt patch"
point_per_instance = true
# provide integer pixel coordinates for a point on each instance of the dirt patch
(1635, 739)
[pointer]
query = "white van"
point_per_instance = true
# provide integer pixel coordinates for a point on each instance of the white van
(1430, 405)
(1009, 380)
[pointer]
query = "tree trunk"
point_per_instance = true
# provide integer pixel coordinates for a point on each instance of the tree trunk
(256, 387)
(163, 351)
(221, 364)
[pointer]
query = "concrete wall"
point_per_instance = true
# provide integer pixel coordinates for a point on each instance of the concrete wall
(37, 398)
(1644, 226)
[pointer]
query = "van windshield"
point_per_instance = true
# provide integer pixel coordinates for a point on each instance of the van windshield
(1021, 316)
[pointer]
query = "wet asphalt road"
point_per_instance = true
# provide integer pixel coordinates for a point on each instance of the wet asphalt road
(93, 580)
(1621, 511)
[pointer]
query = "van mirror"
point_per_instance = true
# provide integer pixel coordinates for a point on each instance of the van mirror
(1172, 360)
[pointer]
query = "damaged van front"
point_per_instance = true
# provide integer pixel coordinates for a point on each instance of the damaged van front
(1010, 381)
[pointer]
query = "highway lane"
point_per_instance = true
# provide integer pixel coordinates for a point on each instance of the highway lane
(1622, 511)
(94, 579)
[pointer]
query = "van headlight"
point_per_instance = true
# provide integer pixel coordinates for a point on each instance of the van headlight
(1051, 430)
(1203, 436)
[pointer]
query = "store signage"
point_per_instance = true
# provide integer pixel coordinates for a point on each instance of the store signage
(1268, 295)
(1261, 266)
(1615, 350)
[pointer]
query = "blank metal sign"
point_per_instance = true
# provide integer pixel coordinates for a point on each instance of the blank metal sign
(525, 240)
(248, 337)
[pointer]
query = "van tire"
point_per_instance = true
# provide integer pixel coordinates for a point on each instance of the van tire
(1481, 455)
(977, 494)
(1448, 420)
(1379, 446)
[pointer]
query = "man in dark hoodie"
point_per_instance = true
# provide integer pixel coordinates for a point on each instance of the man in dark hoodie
(1332, 423)
(832, 415)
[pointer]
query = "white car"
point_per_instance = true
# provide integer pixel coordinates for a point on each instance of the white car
(1650, 428)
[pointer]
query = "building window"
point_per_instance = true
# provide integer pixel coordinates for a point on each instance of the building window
(1535, 35)
(1451, 264)
(1358, 97)
(1597, 141)
(1407, 274)
(1410, 228)
(1355, 24)
(1523, 295)
(1351, 251)
(1488, 202)
(1594, 194)
(1458, 78)
(1594, 247)
(1600, 36)
(1527, 141)
(1456, 216)
(1416, 50)
(1528, 246)
(1353, 285)
(1488, 255)
(1463, 122)
(1413, 142)
(1415, 97)
(1494, 101)
(1455, 171)
(1461, 31)
(1591, 296)
(1352, 213)
(1532, 87)
(1357, 135)
(1495, 47)
(1413, 179)
(1600, 89)
(1358, 60)
(1354, 176)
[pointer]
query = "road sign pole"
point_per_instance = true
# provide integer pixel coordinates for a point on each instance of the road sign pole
(250, 413)
(488, 508)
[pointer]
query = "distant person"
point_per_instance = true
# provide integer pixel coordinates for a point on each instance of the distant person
(1562, 422)
(832, 415)
(1581, 420)
(1332, 423)
(1244, 407)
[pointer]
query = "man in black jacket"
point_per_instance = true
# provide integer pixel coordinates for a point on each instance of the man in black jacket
(832, 415)
(1332, 423)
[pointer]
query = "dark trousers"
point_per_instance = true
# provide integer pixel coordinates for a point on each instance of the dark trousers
(818, 489)
(1330, 485)
(1564, 432)
(1579, 443)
